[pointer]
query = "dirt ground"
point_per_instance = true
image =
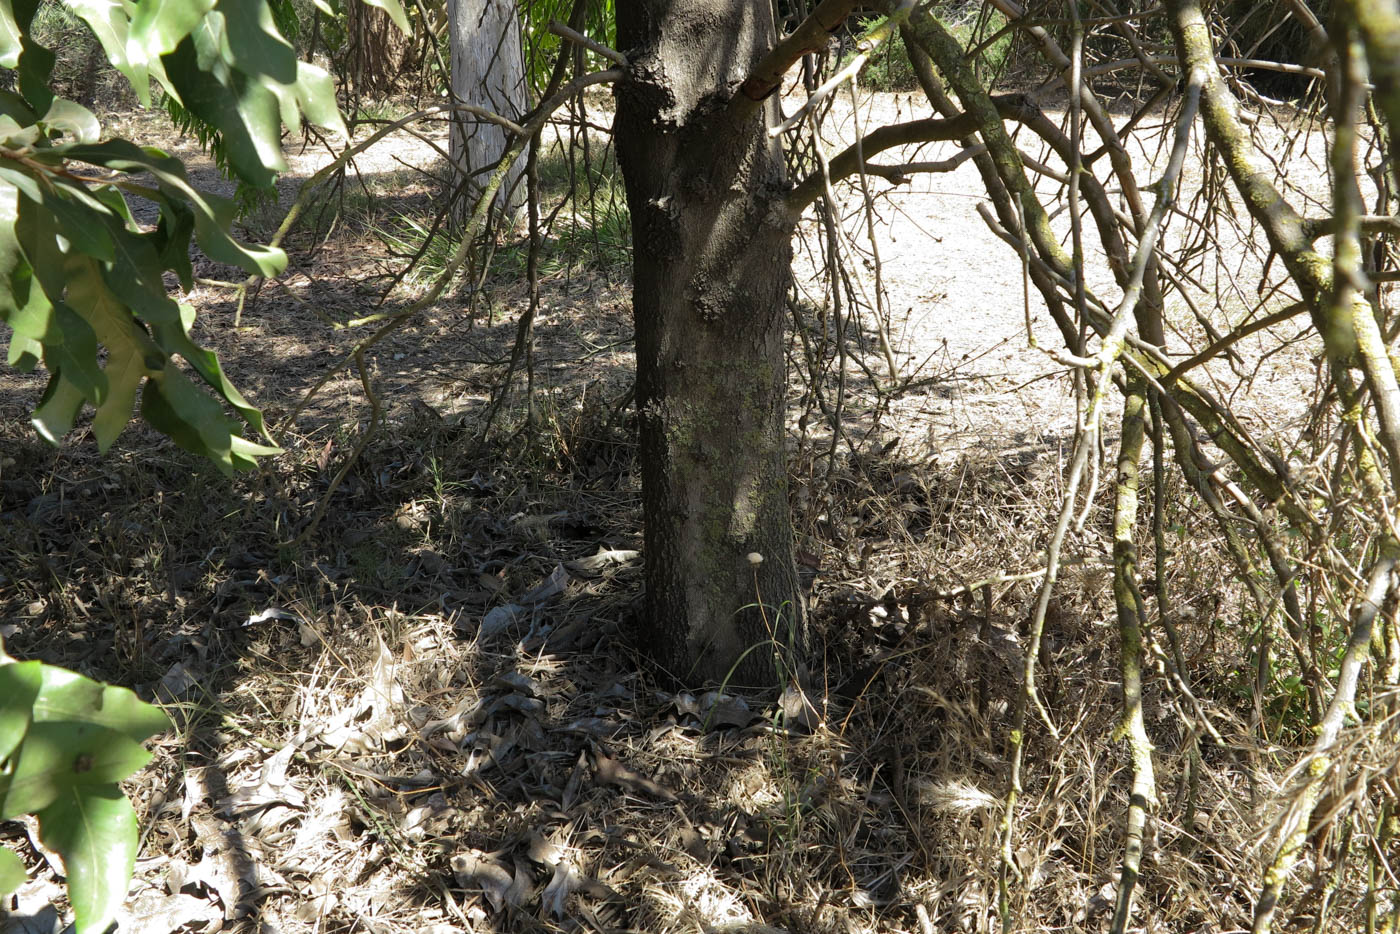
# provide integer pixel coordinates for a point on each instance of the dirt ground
(430, 716)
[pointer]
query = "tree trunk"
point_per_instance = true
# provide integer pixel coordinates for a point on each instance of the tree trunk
(376, 53)
(488, 70)
(711, 268)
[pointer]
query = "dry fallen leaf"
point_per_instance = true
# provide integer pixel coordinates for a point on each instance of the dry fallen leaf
(603, 558)
(551, 586)
(475, 870)
(612, 772)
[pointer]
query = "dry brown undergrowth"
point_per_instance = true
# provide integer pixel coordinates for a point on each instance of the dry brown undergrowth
(434, 714)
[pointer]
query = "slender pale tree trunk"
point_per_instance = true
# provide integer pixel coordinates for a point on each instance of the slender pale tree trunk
(711, 269)
(488, 70)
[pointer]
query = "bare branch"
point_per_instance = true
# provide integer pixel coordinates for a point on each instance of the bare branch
(847, 162)
(578, 38)
(897, 13)
(1223, 61)
(809, 36)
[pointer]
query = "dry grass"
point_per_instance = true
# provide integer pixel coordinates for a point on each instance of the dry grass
(367, 756)
(434, 714)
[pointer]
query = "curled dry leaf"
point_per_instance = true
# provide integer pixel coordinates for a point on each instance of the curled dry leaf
(501, 618)
(603, 558)
(518, 683)
(550, 587)
(478, 871)
(566, 879)
(370, 720)
(177, 683)
(715, 710)
(611, 772)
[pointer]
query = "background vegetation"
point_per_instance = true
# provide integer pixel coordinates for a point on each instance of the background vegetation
(402, 655)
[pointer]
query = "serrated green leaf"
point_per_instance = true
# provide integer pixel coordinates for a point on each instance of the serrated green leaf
(84, 232)
(72, 119)
(12, 874)
(58, 408)
(69, 696)
(110, 23)
(19, 685)
(161, 25)
(131, 354)
(242, 109)
(212, 214)
(395, 11)
(94, 830)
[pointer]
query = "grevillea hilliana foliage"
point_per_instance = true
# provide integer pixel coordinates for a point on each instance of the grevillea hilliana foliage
(82, 283)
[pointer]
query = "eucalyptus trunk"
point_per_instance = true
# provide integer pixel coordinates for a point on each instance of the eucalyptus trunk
(711, 269)
(488, 71)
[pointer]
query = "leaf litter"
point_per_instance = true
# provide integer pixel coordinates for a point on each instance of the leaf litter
(457, 734)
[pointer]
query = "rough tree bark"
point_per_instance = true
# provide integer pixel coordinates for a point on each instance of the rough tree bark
(488, 70)
(711, 268)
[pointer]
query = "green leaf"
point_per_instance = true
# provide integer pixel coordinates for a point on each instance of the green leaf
(57, 409)
(172, 239)
(70, 344)
(111, 197)
(131, 354)
(314, 95)
(94, 829)
(174, 407)
(14, 178)
(212, 214)
(67, 695)
(110, 23)
(15, 107)
(35, 66)
(10, 256)
(206, 364)
(395, 11)
(76, 224)
(12, 873)
(161, 25)
(243, 110)
(251, 42)
(64, 754)
(23, 353)
(73, 120)
(10, 38)
(19, 685)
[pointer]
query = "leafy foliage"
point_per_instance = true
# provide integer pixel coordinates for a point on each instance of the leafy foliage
(65, 742)
(78, 274)
(536, 15)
